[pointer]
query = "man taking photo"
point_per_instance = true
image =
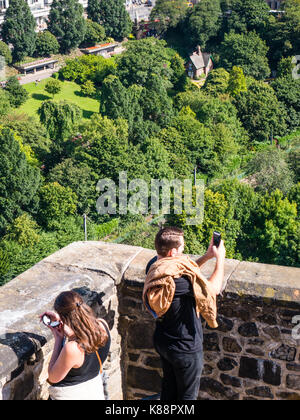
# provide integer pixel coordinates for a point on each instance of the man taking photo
(176, 294)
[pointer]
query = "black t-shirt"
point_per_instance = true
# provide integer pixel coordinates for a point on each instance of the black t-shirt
(180, 329)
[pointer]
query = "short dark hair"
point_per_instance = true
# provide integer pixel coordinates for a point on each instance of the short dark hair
(167, 239)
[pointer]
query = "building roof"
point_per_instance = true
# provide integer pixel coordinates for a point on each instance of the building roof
(200, 59)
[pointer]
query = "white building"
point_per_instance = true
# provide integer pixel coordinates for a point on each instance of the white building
(39, 8)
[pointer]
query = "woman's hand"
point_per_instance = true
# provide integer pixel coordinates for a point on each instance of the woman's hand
(58, 332)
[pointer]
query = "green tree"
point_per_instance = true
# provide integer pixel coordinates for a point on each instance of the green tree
(115, 19)
(179, 77)
(88, 88)
(95, 33)
(248, 51)
(17, 94)
(18, 29)
(93, 10)
(78, 177)
(275, 236)
(168, 14)
(270, 171)
(19, 181)
(67, 24)
(237, 81)
(142, 59)
(262, 115)
(56, 203)
(53, 87)
(46, 44)
(32, 133)
(294, 196)
(24, 230)
(248, 15)
(5, 52)
(4, 103)
(287, 91)
(59, 119)
(216, 82)
(203, 22)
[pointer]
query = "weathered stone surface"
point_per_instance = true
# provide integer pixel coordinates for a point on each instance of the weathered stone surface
(231, 345)
(226, 364)
(248, 330)
(231, 380)
(217, 390)
(284, 352)
(272, 373)
(211, 342)
(260, 391)
(293, 382)
(147, 379)
(250, 368)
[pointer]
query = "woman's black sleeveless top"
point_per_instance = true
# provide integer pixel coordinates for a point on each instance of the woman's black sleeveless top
(90, 367)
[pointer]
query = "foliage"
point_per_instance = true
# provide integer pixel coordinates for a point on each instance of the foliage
(88, 88)
(270, 171)
(18, 29)
(53, 87)
(95, 33)
(141, 60)
(260, 111)
(168, 14)
(107, 228)
(78, 177)
(237, 81)
(46, 44)
(287, 91)
(203, 22)
(247, 51)
(24, 231)
(17, 94)
(115, 19)
(19, 181)
(216, 82)
(67, 24)
(82, 69)
(56, 203)
(5, 52)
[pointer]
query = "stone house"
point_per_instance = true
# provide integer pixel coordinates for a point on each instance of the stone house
(200, 63)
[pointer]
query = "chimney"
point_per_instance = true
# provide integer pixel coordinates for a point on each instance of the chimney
(199, 50)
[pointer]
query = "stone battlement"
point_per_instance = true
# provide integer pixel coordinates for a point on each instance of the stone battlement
(252, 355)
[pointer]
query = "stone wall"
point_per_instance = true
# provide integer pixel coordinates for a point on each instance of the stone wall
(252, 355)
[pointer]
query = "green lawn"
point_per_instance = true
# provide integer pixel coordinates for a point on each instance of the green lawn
(70, 92)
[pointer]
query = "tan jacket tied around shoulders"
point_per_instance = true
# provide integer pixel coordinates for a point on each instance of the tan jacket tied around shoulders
(159, 288)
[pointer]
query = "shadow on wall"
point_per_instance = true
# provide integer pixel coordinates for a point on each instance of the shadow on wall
(27, 348)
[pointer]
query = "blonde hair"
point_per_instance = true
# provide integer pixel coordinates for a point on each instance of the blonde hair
(81, 319)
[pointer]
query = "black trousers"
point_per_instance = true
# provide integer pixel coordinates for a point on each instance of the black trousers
(181, 374)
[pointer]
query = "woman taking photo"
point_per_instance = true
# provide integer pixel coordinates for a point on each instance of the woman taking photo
(81, 346)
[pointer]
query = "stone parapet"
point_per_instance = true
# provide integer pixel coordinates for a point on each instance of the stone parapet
(252, 355)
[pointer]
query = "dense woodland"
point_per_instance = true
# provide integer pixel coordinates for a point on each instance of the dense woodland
(240, 130)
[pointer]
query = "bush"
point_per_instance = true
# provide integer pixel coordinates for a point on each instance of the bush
(46, 44)
(53, 86)
(5, 52)
(88, 88)
(18, 95)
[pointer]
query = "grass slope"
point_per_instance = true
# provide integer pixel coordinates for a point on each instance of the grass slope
(70, 92)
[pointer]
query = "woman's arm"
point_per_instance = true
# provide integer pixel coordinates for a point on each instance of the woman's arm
(63, 360)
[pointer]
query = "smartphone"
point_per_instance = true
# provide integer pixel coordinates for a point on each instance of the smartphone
(217, 239)
(47, 321)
